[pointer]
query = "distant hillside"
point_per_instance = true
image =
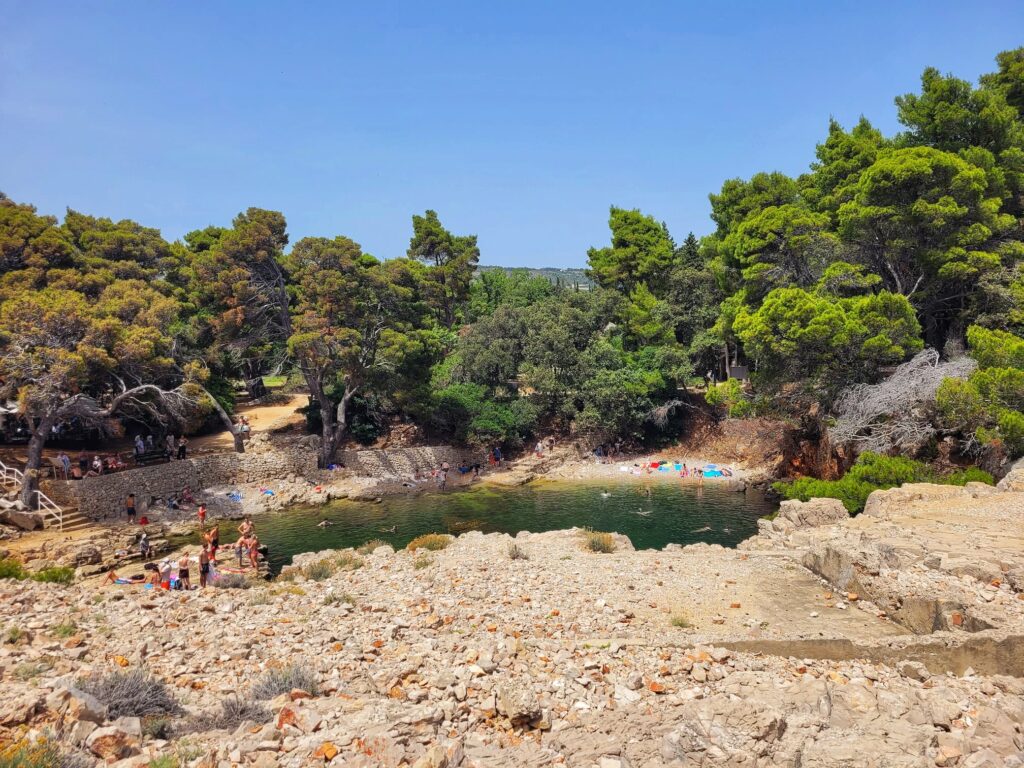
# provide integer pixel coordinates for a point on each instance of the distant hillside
(567, 277)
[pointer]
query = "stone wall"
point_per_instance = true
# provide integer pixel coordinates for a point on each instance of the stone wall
(105, 495)
(404, 462)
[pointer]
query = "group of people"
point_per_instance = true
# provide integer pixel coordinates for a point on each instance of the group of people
(605, 452)
(177, 573)
(86, 467)
(173, 447)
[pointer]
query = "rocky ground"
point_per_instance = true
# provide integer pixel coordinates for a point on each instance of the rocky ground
(552, 654)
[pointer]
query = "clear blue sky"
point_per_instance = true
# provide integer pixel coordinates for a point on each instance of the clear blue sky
(519, 121)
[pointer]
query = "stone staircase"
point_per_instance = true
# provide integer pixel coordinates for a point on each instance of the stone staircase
(397, 463)
(11, 480)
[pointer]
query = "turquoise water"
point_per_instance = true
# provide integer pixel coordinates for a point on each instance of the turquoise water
(673, 512)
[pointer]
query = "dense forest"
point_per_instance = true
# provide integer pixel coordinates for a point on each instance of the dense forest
(888, 275)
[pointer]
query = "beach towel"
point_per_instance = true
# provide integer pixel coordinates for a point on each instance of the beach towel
(663, 468)
(712, 473)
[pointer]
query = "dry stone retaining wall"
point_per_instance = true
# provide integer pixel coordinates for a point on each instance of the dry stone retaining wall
(100, 496)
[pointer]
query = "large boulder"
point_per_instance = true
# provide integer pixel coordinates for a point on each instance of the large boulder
(812, 513)
(111, 743)
(1014, 479)
(26, 521)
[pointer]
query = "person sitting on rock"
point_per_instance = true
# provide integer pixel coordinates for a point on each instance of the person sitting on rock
(145, 548)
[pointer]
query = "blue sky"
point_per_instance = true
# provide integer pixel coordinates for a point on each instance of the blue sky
(520, 122)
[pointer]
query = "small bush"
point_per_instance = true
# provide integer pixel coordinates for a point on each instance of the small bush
(132, 693)
(422, 561)
(348, 561)
(681, 620)
(164, 761)
(873, 472)
(277, 681)
(65, 629)
(62, 575)
(231, 581)
(371, 545)
(27, 671)
(598, 541)
(259, 597)
(42, 753)
(234, 711)
(969, 475)
(11, 569)
(333, 598)
(434, 542)
(156, 727)
(14, 635)
(515, 552)
(288, 575)
(318, 571)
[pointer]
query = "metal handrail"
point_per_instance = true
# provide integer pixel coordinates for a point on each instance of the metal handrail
(13, 476)
(50, 507)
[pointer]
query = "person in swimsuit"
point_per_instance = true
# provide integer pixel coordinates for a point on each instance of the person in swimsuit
(183, 579)
(129, 507)
(214, 538)
(202, 515)
(246, 528)
(254, 551)
(204, 565)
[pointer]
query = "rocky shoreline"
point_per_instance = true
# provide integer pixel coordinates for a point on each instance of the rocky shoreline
(807, 646)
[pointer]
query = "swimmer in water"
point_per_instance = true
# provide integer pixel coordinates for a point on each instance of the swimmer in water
(324, 524)
(701, 530)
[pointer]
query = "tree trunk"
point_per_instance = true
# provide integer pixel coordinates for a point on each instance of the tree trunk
(335, 424)
(35, 459)
(234, 429)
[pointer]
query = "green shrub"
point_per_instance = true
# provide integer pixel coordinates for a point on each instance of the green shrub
(730, 395)
(969, 475)
(422, 561)
(62, 575)
(11, 569)
(515, 552)
(65, 629)
(41, 753)
(873, 472)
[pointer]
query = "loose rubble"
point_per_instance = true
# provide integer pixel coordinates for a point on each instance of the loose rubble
(690, 656)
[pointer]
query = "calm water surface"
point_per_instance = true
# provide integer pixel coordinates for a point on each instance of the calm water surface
(672, 513)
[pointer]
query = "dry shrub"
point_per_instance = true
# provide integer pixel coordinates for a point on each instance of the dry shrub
(371, 545)
(349, 561)
(131, 693)
(599, 541)
(274, 682)
(319, 570)
(432, 542)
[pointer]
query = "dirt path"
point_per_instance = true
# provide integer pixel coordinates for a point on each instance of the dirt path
(261, 418)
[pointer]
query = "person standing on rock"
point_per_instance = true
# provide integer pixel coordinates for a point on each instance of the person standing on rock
(182, 444)
(169, 446)
(254, 551)
(129, 507)
(183, 576)
(214, 535)
(204, 566)
(202, 516)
